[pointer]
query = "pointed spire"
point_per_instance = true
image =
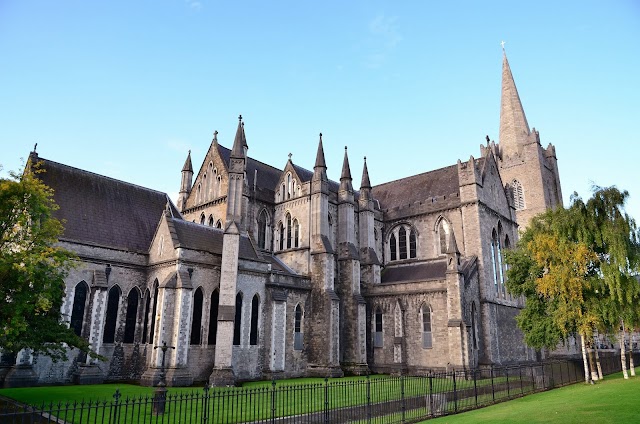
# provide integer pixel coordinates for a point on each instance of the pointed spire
(514, 128)
(187, 164)
(365, 176)
(346, 170)
(452, 246)
(238, 142)
(320, 155)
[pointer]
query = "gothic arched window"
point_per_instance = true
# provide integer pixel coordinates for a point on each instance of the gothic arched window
(402, 243)
(79, 305)
(156, 288)
(196, 319)
(202, 218)
(219, 224)
(495, 253)
(399, 246)
(210, 221)
(111, 318)
(393, 248)
(281, 235)
(237, 324)
(255, 314)
(213, 317)
(297, 329)
(147, 306)
(262, 229)
(443, 235)
(296, 233)
(132, 314)
(427, 338)
(288, 218)
(377, 328)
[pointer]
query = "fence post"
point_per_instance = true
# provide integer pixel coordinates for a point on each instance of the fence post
(493, 391)
(273, 401)
(475, 385)
(326, 400)
(431, 394)
(404, 406)
(455, 393)
(506, 373)
(520, 373)
(205, 404)
(116, 415)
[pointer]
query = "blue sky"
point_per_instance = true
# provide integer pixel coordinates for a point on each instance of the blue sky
(126, 88)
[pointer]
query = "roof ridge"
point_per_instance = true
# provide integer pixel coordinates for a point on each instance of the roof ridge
(103, 176)
(415, 175)
(253, 159)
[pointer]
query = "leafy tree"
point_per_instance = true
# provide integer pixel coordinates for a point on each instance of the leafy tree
(32, 269)
(576, 267)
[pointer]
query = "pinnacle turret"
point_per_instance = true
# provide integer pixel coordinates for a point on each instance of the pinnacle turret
(365, 176)
(187, 163)
(514, 128)
(239, 142)
(345, 176)
(320, 168)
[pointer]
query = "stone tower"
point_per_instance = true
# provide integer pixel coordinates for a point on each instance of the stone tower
(353, 322)
(529, 171)
(324, 340)
(222, 374)
(185, 183)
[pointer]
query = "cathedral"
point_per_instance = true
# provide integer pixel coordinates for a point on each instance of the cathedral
(258, 272)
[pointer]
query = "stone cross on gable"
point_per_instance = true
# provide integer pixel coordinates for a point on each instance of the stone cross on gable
(290, 156)
(502, 43)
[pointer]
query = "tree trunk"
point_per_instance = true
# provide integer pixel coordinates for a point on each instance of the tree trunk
(595, 349)
(592, 365)
(632, 368)
(623, 355)
(587, 377)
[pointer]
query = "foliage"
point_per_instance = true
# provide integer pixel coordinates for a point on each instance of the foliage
(32, 269)
(576, 268)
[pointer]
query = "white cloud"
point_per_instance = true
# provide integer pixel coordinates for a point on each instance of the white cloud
(384, 37)
(193, 4)
(177, 145)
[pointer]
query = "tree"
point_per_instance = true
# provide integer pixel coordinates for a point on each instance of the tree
(577, 268)
(32, 269)
(556, 275)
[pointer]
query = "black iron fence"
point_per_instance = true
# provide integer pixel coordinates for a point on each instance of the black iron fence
(371, 399)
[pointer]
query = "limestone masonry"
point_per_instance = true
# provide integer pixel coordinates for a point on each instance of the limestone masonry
(260, 272)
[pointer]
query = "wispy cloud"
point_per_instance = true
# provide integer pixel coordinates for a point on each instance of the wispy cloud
(384, 35)
(177, 145)
(194, 4)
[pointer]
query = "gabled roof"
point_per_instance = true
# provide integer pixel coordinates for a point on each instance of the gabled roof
(268, 176)
(440, 182)
(208, 239)
(103, 211)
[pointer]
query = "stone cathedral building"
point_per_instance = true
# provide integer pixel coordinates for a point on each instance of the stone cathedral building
(263, 272)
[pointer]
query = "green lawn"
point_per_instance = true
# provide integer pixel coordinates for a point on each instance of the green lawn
(613, 400)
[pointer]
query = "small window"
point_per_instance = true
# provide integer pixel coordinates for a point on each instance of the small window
(210, 220)
(412, 244)
(427, 342)
(392, 247)
(443, 233)
(402, 233)
(517, 195)
(297, 329)
(288, 231)
(196, 320)
(237, 324)
(202, 219)
(255, 314)
(219, 224)
(213, 317)
(262, 230)
(377, 335)
(281, 234)
(296, 233)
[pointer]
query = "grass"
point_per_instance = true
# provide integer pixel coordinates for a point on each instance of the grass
(613, 400)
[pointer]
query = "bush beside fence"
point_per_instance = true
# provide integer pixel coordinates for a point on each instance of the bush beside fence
(403, 399)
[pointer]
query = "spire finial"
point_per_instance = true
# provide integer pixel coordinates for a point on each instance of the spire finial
(240, 118)
(35, 147)
(290, 156)
(502, 43)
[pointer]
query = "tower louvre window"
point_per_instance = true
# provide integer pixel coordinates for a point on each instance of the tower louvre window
(518, 195)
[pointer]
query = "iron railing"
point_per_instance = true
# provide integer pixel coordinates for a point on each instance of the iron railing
(371, 399)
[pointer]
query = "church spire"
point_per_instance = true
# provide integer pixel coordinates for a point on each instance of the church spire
(345, 177)
(239, 142)
(514, 129)
(365, 176)
(187, 164)
(320, 168)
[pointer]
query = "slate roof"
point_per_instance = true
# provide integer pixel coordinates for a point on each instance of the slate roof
(103, 211)
(208, 239)
(405, 191)
(422, 271)
(268, 176)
